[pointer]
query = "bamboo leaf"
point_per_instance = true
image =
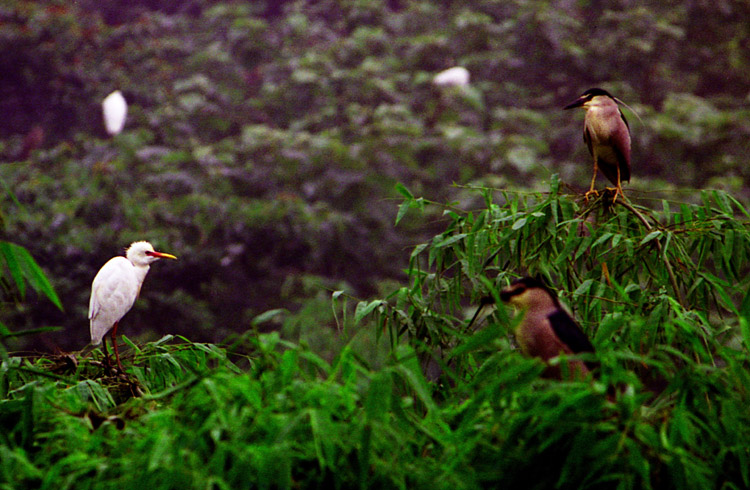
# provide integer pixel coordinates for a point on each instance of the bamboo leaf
(32, 272)
(6, 249)
(450, 240)
(267, 315)
(403, 208)
(418, 249)
(520, 223)
(404, 191)
(721, 199)
(651, 236)
(602, 239)
(364, 308)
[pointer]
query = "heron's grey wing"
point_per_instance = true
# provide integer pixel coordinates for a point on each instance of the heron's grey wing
(621, 148)
(569, 332)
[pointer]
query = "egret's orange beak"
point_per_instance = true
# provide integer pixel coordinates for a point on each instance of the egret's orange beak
(161, 255)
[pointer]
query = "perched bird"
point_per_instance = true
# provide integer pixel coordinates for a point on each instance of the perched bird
(33, 140)
(546, 330)
(114, 109)
(115, 288)
(458, 76)
(607, 134)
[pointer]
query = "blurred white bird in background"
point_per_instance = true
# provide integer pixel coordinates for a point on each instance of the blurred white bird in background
(115, 109)
(115, 288)
(458, 76)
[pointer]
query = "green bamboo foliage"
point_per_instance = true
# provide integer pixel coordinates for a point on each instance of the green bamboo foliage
(662, 294)
(448, 406)
(684, 263)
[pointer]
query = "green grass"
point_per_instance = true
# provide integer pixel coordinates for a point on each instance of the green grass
(369, 409)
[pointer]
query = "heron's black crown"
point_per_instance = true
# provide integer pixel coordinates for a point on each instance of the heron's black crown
(593, 92)
(519, 286)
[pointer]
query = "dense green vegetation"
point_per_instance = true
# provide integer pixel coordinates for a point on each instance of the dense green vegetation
(263, 144)
(338, 218)
(414, 400)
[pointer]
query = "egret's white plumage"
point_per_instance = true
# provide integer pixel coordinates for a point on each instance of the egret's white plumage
(116, 287)
(458, 76)
(115, 109)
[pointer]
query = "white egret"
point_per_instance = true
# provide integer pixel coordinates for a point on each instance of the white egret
(458, 76)
(115, 289)
(115, 109)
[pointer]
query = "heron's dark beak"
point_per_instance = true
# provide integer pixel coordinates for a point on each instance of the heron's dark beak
(578, 103)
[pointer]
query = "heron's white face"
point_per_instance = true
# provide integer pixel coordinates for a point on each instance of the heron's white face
(599, 102)
(523, 297)
(143, 253)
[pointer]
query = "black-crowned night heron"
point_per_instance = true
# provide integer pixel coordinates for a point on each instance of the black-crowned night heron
(607, 134)
(114, 290)
(546, 329)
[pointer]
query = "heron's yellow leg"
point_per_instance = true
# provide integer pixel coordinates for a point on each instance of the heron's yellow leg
(618, 189)
(593, 181)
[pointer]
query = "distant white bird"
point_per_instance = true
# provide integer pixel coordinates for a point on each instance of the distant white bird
(115, 288)
(115, 109)
(458, 76)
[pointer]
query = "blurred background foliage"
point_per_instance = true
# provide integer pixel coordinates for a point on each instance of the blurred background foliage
(264, 139)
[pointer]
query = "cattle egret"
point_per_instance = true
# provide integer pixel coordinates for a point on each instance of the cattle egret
(115, 288)
(114, 109)
(458, 76)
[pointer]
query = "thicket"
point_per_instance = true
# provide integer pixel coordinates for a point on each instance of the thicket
(412, 398)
